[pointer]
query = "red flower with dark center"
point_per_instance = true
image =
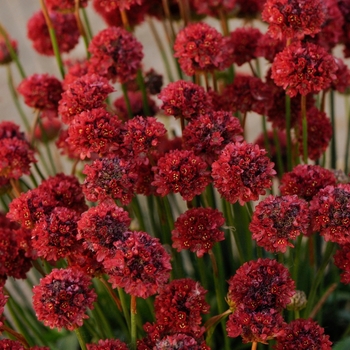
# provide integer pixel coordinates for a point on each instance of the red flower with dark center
(263, 284)
(319, 133)
(246, 94)
(140, 265)
(10, 130)
(108, 344)
(303, 68)
(330, 213)
(306, 180)
(110, 178)
(41, 91)
(242, 172)
(54, 236)
(294, 18)
(116, 54)
(66, 29)
(304, 335)
(342, 261)
(179, 306)
(255, 326)
(64, 5)
(94, 131)
(62, 297)
(101, 226)
(209, 133)
(85, 93)
(5, 56)
(244, 42)
(199, 49)
(277, 220)
(181, 172)
(183, 98)
(198, 229)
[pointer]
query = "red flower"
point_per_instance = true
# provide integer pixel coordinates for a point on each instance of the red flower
(342, 81)
(269, 47)
(179, 306)
(197, 230)
(303, 68)
(5, 56)
(179, 341)
(244, 42)
(108, 344)
(101, 226)
(183, 98)
(64, 5)
(306, 180)
(110, 178)
(319, 133)
(116, 54)
(199, 48)
(3, 300)
(209, 133)
(110, 5)
(76, 69)
(213, 7)
(66, 29)
(246, 94)
(330, 213)
(294, 18)
(181, 172)
(342, 261)
(249, 9)
(48, 129)
(7, 344)
(304, 335)
(62, 297)
(277, 220)
(140, 265)
(242, 172)
(255, 326)
(82, 94)
(54, 236)
(41, 91)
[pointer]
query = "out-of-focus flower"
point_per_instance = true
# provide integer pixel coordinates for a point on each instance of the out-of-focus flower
(5, 56)
(108, 344)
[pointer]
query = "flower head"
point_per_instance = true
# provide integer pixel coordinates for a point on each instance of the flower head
(181, 172)
(62, 297)
(108, 344)
(242, 172)
(304, 335)
(342, 261)
(116, 54)
(277, 220)
(5, 56)
(213, 7)
(64, 5)
(303, 68)
(197, 230)
(110, 5)
(66, 29)
(140, 265)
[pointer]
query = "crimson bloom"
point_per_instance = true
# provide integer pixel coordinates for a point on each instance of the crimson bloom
(213, 7)
(294, 18)
(5, 56)
(108, 344)
(304, 335)
(62, 297)
(140, 265)
(116, 54)
(110, 5)
(181, 172)
(277, 220)
(242, 172)
(66, 29)
(64, 5)
(197, 230)
(303, 68)
(342, 261)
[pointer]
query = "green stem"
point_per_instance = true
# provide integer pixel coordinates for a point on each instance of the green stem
(80, 338)
(142, 87)
(296, 262)
(278, 152)
(334, 138)
(138, 213)
(127, 100)
(126, 313)
(304, 122)
(39, 171)
(347, 147)
(87, 23)
(133, 311)
(56, 51)
(202, 272)
(289, 134)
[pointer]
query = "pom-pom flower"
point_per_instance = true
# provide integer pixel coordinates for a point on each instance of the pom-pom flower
(140, 265)
(185, 99)
(181, 172)
(303, 68)
(5, 56)
(64, 5)
(66, 29)
(277, 220)
(304, 335)
(294, 18)
(342, 261)
(330, 213)
(199, 49)
(108, 344)
(101, 226)
(242, 172)
(213, 7)
(197, 230)
(62, 297)
(116, 54)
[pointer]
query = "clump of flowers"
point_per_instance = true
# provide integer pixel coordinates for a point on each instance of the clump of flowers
(242, 172)
(198, 229)
(277, 220)
(63, 297)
